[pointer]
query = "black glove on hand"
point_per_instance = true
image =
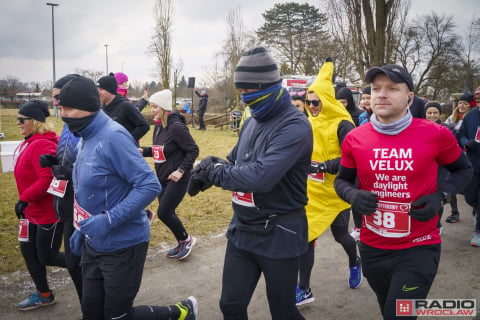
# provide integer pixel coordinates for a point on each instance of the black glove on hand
(426, 207)
(47, 160)
(19, 208)
(208, 161)
(471, 144)
(317, 167)
(364, 202)
(62, 172)
(198, 182)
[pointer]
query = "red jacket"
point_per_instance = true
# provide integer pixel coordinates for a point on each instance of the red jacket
(32, 180)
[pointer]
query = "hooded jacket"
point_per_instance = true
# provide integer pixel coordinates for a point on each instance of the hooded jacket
(122, 111)
(180, 149)
(346, 93)
(202, 105)
(32, 180)
(111, 177)
(323, 202)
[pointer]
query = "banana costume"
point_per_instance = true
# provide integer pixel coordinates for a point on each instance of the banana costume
(324, 204)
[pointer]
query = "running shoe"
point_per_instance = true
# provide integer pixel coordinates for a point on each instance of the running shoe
(188, 309)
(183, 248)
(454, 217)
(475, 239)
(355, 234)
(356, 276)
(304, 296)
(36, 300)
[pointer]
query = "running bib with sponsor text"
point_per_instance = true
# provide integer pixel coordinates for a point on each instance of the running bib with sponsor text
(243, 199)
(158, 155)
(58, 187)
(391, 219)
(79, 214)
(23, 230)
(319, 176)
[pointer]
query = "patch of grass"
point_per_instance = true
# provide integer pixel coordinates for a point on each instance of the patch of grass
(207, 213)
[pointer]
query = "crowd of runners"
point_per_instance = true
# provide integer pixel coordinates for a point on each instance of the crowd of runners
(304, 162)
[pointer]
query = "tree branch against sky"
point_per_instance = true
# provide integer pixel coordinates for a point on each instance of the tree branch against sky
(161, 44)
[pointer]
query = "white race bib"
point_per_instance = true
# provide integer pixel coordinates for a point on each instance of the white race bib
(391, 219)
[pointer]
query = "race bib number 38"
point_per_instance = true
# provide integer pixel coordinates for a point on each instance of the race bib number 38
(391, 219)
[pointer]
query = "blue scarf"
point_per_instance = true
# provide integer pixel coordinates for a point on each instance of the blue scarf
(265, 103)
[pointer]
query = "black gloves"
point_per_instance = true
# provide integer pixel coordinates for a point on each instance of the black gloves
(209, 161)
(427, 207)
(330, 166)
(364, 202)
(62, 172)
(316, 167)
(198, 182)
(47, 160)
(19, 208)
(471, 144)
(199, 179)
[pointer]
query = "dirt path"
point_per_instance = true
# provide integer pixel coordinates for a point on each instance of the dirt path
(166, 281)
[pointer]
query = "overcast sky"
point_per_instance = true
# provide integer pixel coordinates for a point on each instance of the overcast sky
(83, 27)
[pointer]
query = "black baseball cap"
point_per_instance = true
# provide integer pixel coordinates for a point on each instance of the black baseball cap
(395, 72)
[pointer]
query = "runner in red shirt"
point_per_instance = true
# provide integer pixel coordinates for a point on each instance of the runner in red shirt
(396, 158)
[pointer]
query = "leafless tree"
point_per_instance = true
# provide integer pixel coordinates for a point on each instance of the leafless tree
(177, 70)
(367, 30)
(429, 49)
(161, 44)
(90, 73)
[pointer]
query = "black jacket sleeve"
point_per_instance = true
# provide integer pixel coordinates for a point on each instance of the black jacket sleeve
(343, 129)
(139, 123)
(345, 183)
(460, 173)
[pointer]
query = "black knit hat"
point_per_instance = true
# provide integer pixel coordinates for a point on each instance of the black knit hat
(256, 69)
(367, 90)
(35, 109)
(108, 83)
(395, 72)
(433, 104)
(467, 96)
(63, 80)
(80, 93)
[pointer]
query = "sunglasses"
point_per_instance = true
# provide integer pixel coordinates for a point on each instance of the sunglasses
(314, 102)
(22, 120)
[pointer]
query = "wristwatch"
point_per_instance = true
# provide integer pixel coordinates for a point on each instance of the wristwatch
(181, 170)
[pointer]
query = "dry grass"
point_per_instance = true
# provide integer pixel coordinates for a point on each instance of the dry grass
(207, 213)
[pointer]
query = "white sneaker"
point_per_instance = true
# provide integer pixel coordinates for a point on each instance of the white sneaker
(355, 234)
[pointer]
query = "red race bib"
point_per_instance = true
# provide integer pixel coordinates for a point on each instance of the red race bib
(79, 214)
(319, 177)
(158, 155)
(243, 199)
(58, 187)
(391, 220)
(23, 230)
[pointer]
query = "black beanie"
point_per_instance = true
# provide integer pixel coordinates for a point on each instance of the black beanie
(63, 80)
(35, 109)
(433, 104)
(108, 83)
(80, 93)
(367, 90)
(256, 69)
(467, 96)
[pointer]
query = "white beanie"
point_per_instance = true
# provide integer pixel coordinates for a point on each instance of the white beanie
(163, 99)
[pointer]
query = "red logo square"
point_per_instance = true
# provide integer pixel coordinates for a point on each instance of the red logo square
(404, 308)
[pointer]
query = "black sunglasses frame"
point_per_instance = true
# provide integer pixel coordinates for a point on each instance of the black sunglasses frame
(314, 102)
(22, 120)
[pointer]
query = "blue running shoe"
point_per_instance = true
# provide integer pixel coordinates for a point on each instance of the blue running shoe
(188, 309)
(304, 296)
(356, 276)
(35, 300)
